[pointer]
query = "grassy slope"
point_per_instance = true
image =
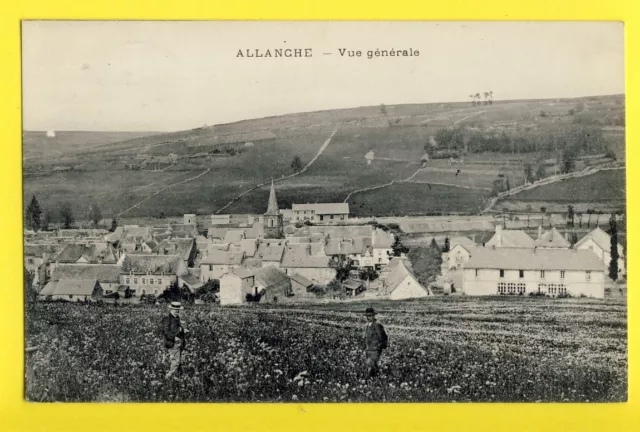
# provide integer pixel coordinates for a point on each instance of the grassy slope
(340, 170)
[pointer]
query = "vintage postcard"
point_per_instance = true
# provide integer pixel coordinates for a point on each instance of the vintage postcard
(324, 211)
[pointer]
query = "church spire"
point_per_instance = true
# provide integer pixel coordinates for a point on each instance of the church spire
(272, 207)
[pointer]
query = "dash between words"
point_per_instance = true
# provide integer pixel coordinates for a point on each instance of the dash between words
(308, 52)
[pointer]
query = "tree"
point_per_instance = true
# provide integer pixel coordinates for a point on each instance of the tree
(570, 216)
(34, 214)
(541, 172)
(342, 265)
(473, 100)
(426, 263)
(94, 214)
(383, 109)
(368, 274)
(296, 165)
(568, 161)
(528, 173)
(46, 220)
(491, 97)
(433, 243)
(398, 248)
(335, 287)
(573, 238)
(613, 264)
(66, 214)
(543, 114)
(114, 224)
(446, 247)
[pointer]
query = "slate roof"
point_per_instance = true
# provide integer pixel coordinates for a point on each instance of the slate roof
(399, 273)
(177, 246)
(338, 246)
(532, 259)
(69, 287)
(269, 276)
(511, 239)
(155, 264)
(91, 252)
(382, 239)
(552, 239)
(602, 239)
(293, 259)
(463, 241)
(234, 236)
(99, 272)
(270, 253)
(301, 280)
(223, 258)
(184, 231)
(272, 205)
(39, 250)
(323, 208)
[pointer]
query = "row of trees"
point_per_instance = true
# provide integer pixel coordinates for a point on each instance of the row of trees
(488, 98)
(39, 220)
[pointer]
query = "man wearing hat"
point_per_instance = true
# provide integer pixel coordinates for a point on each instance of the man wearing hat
(174, 337)
(375, 340)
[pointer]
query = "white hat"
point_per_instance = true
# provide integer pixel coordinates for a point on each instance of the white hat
(176, 306)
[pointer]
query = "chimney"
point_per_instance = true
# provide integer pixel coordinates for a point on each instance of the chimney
(539, 232)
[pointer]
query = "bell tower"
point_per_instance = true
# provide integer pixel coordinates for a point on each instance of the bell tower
(273, 224)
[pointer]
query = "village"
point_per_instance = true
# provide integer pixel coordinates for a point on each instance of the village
(306, 253)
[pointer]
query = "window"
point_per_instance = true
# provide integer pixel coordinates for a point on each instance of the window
(502, 288)
(331, 217)
(588, 275)
(71, 296)
(542, 288)
(553, 289)
(521, 288)
(144, 281)
(159, 281)
(541, 274)
(126, 281)
(562, 289)
(135, 280)
(297, 217)
(521, 274)
(151, 281)
(511, 288)
(155, 291)
(210, 267)
(476, 272)
(561, 274)
(312, 217)
(30, 261)
(342, 217)
(501, 273)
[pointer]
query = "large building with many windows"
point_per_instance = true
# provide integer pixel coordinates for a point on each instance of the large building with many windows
(554, 272)
(320, 213)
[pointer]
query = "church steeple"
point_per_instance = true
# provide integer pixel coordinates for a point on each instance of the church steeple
(272, 207)
(273, 221)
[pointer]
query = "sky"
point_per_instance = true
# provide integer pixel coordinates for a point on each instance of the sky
(176, 75)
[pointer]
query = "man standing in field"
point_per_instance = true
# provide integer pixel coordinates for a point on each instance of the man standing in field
(375, 340)
(174, 337)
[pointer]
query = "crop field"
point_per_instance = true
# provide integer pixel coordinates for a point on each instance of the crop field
(441, 349)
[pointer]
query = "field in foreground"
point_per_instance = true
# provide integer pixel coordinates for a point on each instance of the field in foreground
(442, 349)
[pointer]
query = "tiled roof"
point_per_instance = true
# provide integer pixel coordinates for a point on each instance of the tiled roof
(270, 253)
(155, 264)
(184, 231)
(234, 236)
(177, 246)
(100, 272)
(217, 232)
(323, 208)
(339, 246)
(223, 258)
(382, 239)
(93, 253)
(301, 280)
(532, 259)
(602, 239)
(463, 241)
(38, 250)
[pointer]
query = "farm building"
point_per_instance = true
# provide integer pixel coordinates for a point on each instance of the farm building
(107, 274)
(325, 212)
(353, 287)
(273, 284)
(301, 286)
(510, 239)
(72, 290)
(553, 272)
(402, 284)
(217, 263)
(151, 274)
(235, 285)
(599, 242)
(551, 239)
(314, 268)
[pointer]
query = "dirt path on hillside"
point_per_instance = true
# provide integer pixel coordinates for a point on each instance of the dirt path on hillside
(448, 184)
(469, 116)
(407, 180)
(162, 190)
(549, 180)
(306, 167)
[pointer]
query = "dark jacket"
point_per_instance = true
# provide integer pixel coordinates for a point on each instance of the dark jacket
(172, 329)
(375, 338)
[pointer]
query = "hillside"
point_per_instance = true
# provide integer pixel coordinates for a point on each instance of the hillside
(205, 170)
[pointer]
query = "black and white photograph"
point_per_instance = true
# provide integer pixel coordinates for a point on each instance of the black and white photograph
(324, 211)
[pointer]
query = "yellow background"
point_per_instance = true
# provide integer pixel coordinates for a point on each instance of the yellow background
(17, 415)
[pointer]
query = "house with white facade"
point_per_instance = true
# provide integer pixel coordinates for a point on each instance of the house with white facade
(504, 238)
(323, 212)
(401, 284)
(513, 271)
(72, 290)
(458, 255)
(235, 285)
(551, 239)
(151, 274)
(217, 263)
(599, 242)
